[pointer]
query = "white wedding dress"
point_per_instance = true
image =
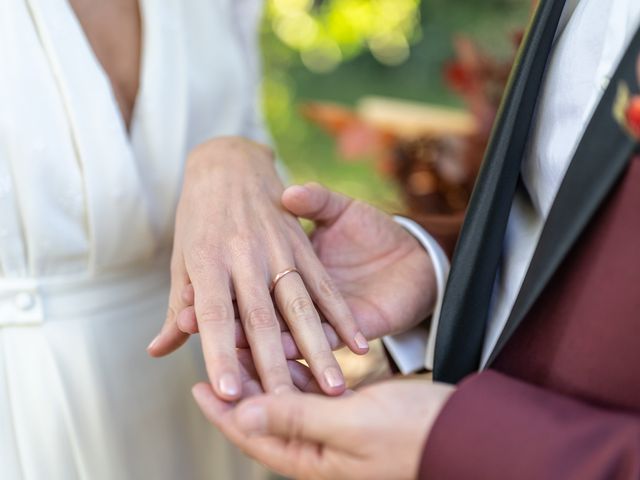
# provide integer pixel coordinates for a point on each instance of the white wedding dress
(86, 219)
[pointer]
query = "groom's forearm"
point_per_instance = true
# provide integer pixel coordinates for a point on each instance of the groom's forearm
(498, 427)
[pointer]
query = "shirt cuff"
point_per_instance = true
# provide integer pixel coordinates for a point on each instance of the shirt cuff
(414, 349)
(408, 349)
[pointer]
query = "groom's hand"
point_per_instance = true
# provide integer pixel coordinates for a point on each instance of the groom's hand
(376, 433)
(385, 276)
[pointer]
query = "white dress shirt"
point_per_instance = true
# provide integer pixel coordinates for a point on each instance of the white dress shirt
(591, 40)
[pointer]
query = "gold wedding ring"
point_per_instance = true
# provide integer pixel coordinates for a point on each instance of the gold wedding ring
(281, 275)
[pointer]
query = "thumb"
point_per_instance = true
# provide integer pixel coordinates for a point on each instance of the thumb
(294, 416)
(315, 202)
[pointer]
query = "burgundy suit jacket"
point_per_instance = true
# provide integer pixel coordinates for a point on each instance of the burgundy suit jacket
(561, 396)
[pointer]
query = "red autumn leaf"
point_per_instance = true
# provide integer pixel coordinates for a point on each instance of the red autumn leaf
(359, 140)
(458, 78)
(332, 117)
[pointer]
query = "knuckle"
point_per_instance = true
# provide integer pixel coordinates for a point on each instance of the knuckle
(320, 356)
(328, 289)
(215, 313)
(301, 308)
(279, 372)
(223, 362)
(261, 318)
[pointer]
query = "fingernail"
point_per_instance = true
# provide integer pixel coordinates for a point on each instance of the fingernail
(333, 377)
(153, 343)
(361, 341)
(252, 419)
(228, 385)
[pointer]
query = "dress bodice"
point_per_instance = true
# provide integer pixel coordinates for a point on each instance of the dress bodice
(78, 193)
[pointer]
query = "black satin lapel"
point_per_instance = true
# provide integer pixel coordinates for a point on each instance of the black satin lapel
(599, 161)
(463, 318)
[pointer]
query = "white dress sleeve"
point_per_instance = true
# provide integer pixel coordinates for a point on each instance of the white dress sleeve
(414, 349)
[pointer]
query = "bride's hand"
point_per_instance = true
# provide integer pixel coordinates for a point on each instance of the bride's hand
(232, 239)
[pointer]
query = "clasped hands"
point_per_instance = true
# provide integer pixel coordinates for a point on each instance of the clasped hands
(361, 276)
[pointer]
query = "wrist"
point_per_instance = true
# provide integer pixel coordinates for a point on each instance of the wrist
(240, 152)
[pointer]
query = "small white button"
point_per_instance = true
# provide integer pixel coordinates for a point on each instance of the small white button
(25, 301)
(604, 82)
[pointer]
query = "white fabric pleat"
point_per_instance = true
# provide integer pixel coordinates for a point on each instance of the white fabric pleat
(109, 168)
(162, 94)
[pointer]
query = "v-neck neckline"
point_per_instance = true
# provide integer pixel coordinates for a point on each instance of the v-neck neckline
(131, 127)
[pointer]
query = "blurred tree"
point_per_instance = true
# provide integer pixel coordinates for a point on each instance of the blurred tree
(327, 32)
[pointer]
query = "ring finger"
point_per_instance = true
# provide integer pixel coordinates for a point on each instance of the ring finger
(299, 312)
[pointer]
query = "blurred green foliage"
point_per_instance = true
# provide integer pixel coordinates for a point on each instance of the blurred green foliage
(327, 32)
(300, 66)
